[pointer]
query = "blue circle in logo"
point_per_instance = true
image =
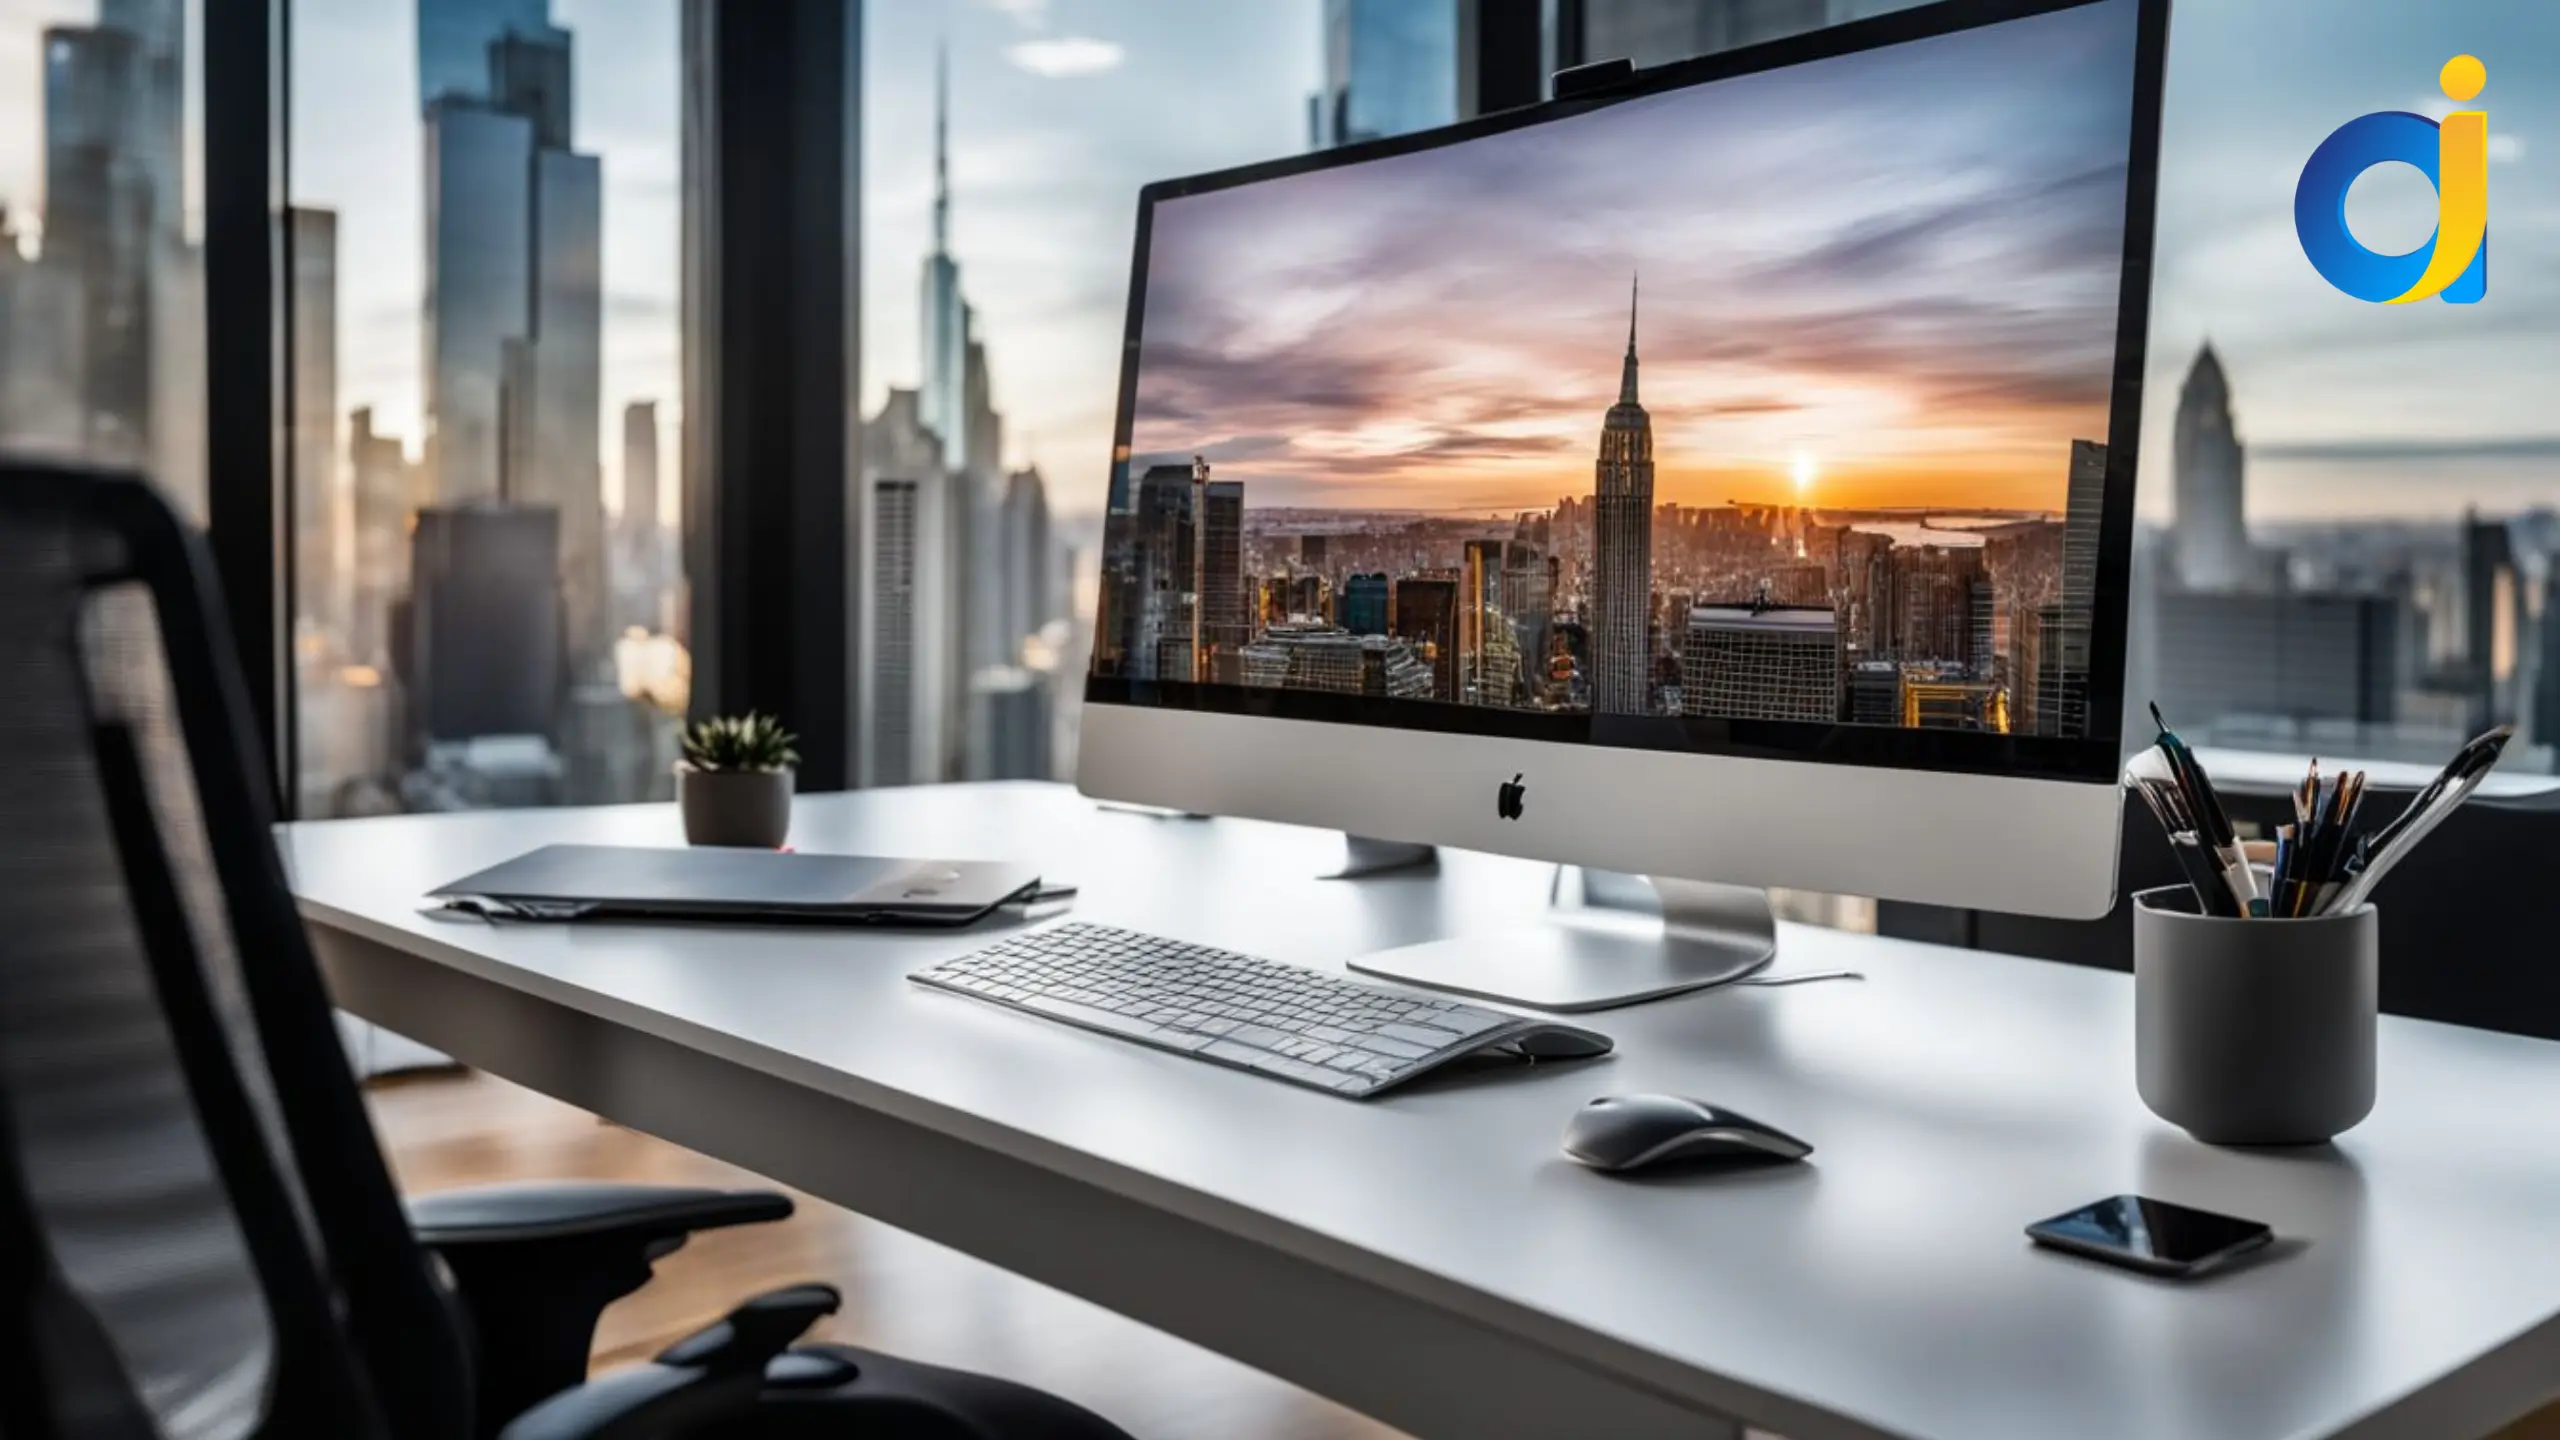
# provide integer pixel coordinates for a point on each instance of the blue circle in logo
(2320, 202)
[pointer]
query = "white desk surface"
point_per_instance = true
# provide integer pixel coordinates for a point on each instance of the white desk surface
(1884, 1288)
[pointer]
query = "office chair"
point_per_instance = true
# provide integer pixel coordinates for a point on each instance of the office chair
(198, 1237)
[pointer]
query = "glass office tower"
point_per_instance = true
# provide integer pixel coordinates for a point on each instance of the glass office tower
(1390, 68)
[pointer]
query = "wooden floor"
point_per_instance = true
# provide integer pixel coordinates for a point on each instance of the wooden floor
(902, 1294)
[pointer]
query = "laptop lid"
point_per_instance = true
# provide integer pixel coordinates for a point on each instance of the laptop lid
(576, 881)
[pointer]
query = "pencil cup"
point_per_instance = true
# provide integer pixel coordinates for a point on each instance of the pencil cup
(2253, 1032)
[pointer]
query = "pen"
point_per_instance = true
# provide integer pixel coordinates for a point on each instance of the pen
(2380, 851)
(2204, 876)
(2481, 753)
(2213, 822)
(2150, 776)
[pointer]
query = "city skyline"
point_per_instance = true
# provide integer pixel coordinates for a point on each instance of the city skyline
(2357, 411)
(2434, 616)
(1859, 291)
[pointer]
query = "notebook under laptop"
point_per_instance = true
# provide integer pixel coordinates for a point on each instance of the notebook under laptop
(569, 882)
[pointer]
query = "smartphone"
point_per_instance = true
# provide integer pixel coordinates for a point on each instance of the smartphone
(2152, 1236)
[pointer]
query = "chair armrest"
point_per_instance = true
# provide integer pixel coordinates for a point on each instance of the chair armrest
(707, 1377)
(535, 1265)
(714, 1374)
(535, 1213)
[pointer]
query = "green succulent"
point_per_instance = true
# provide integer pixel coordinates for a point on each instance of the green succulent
(753, 741)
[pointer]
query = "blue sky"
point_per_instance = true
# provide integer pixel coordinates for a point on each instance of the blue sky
(1062, 109)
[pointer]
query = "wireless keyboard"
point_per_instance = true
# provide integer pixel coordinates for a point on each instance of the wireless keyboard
(1284, 1021)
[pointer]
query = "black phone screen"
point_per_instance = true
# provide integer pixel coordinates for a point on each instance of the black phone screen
(2153, 1234)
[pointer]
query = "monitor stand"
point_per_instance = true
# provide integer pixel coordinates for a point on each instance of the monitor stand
(1363, 857)
(1610, 939)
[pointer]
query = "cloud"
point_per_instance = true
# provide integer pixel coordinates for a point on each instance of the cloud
(1065, 56)
(2505, 149)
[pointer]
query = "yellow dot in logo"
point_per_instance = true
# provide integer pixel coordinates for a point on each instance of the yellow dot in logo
(2463, 77)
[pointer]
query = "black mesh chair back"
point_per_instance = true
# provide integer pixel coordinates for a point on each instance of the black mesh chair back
(198, 1237)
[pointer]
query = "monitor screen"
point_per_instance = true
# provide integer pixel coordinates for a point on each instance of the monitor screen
(1782, 403)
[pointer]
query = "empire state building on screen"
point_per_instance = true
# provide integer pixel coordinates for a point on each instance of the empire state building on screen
(1622, 549)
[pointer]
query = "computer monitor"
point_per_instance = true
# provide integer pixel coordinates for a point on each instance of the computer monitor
(1726, 476)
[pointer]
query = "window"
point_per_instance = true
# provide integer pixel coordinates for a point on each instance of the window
(484, 402)
(1004, 147)
(2350, 506)
(101, 237)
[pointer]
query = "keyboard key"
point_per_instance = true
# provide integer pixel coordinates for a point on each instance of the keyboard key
(1230, 1050)
(1429, 1039)
(1388, 1045)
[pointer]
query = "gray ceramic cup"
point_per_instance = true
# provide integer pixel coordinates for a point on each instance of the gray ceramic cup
(2253, 1032)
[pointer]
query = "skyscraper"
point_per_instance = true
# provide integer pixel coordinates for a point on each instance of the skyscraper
(2063, 688)
(1622, 551)
(1761, 662)
(1874, 693)
(99, 225)
(2548, 672)
(156, 110)
(1390, 68)
(2210, 538)
(453, 41)
(1364, 604)
(2083, 525)
(320, 505)
(1226, 615)
(1488, 650)
(1934, 604)
(479, 279)
(2493, 594)
(1426, 617)
(640, 468)
(641, 564)
(942, 387)
(904, 681)
(2296, 657)
(514, 298)
(889, 654)
(378, 479)
(956, 403)
(484, 643)
(1030, 555)
(1162, 608)
(41, 374)
(1528, 602)
(1010, 725)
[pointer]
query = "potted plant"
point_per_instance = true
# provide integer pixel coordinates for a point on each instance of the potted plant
(734, 782)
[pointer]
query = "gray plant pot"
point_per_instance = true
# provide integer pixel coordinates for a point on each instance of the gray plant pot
(750, 808)
(2253, 1032)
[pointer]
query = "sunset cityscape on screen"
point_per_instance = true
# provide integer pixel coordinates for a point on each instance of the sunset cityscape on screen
(1782, 397)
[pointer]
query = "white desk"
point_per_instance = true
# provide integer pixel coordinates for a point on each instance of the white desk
(1429, 1257)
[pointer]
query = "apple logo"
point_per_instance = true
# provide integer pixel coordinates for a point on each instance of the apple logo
(1507, 802)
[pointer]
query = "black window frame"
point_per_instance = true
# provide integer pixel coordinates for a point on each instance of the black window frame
(779, 224)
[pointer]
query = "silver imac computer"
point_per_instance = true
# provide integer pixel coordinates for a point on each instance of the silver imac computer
(1725, 478)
